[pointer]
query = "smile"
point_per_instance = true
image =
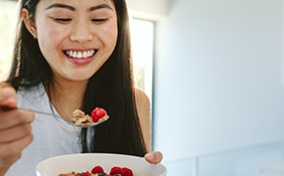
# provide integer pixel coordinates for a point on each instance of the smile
(80, 54)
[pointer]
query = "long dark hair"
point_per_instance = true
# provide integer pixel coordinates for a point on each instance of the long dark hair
(111, 87)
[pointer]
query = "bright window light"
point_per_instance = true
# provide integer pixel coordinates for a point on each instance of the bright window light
(142, 53)
(7, 26)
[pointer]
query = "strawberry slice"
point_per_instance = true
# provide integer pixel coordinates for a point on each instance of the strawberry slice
(86, 174)
(116, 170)
(97, 170)
(127, 171)
(98, 113)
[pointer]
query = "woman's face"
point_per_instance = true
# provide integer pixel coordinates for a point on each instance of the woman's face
(76, 36)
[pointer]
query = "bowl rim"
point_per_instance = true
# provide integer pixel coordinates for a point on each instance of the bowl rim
(164, 172)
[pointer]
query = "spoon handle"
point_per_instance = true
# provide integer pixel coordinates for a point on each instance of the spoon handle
(7, 108)
(84, 125)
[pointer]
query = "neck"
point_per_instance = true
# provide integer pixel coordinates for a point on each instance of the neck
(67, 96)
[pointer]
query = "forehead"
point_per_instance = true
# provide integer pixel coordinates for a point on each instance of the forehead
(76, 4)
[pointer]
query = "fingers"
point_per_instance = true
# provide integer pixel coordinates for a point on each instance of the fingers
(8, 96)
(11, 151)
(154, 157)
(15, 127)
(15, 117)
(15, 135)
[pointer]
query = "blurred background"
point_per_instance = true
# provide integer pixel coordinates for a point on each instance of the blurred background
(214, 72)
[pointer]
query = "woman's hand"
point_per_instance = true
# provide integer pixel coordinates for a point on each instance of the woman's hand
(15, 128)
(154, 157)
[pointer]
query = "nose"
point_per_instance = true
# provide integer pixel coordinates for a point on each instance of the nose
(81, 33)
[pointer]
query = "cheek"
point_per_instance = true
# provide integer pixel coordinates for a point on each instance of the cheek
(48, 37)
(111, 35)
(49, 34)
(108, 32)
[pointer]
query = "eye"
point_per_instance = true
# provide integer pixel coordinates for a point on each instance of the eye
(99, 20)
(62, 20)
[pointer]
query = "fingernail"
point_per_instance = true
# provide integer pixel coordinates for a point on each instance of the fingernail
(150, 156)
(6, 92)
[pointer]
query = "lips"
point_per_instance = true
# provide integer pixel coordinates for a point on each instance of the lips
(79, 54)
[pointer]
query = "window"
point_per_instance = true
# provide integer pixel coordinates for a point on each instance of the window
(8, 21)
(142, 35)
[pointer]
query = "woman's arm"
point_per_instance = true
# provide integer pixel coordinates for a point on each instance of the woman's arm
(143, 108)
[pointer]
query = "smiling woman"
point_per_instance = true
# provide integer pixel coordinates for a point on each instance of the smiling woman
(141, 38)
(68, 55)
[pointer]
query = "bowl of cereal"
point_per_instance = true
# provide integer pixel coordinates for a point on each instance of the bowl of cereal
(103, 164)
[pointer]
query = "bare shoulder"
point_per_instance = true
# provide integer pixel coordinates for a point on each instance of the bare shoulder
(142, 100)
(143, 108)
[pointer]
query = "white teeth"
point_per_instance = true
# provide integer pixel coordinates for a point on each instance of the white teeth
(80, 54)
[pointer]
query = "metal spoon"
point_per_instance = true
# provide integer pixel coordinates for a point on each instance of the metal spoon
(82, 125)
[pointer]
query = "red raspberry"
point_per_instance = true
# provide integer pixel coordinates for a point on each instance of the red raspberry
(97, 170)
(116, 170)
(127, 171)
(98, 113)
(86, 174)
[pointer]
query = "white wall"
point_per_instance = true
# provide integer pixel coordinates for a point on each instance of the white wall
(149, 9)
(218, 76)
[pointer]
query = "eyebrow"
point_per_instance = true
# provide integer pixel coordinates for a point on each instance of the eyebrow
(64, 6)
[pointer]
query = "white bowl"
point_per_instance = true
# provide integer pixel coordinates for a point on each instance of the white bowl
(85, 162)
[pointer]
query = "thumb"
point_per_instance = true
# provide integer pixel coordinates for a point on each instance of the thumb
(8, 97)
(154, 157)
